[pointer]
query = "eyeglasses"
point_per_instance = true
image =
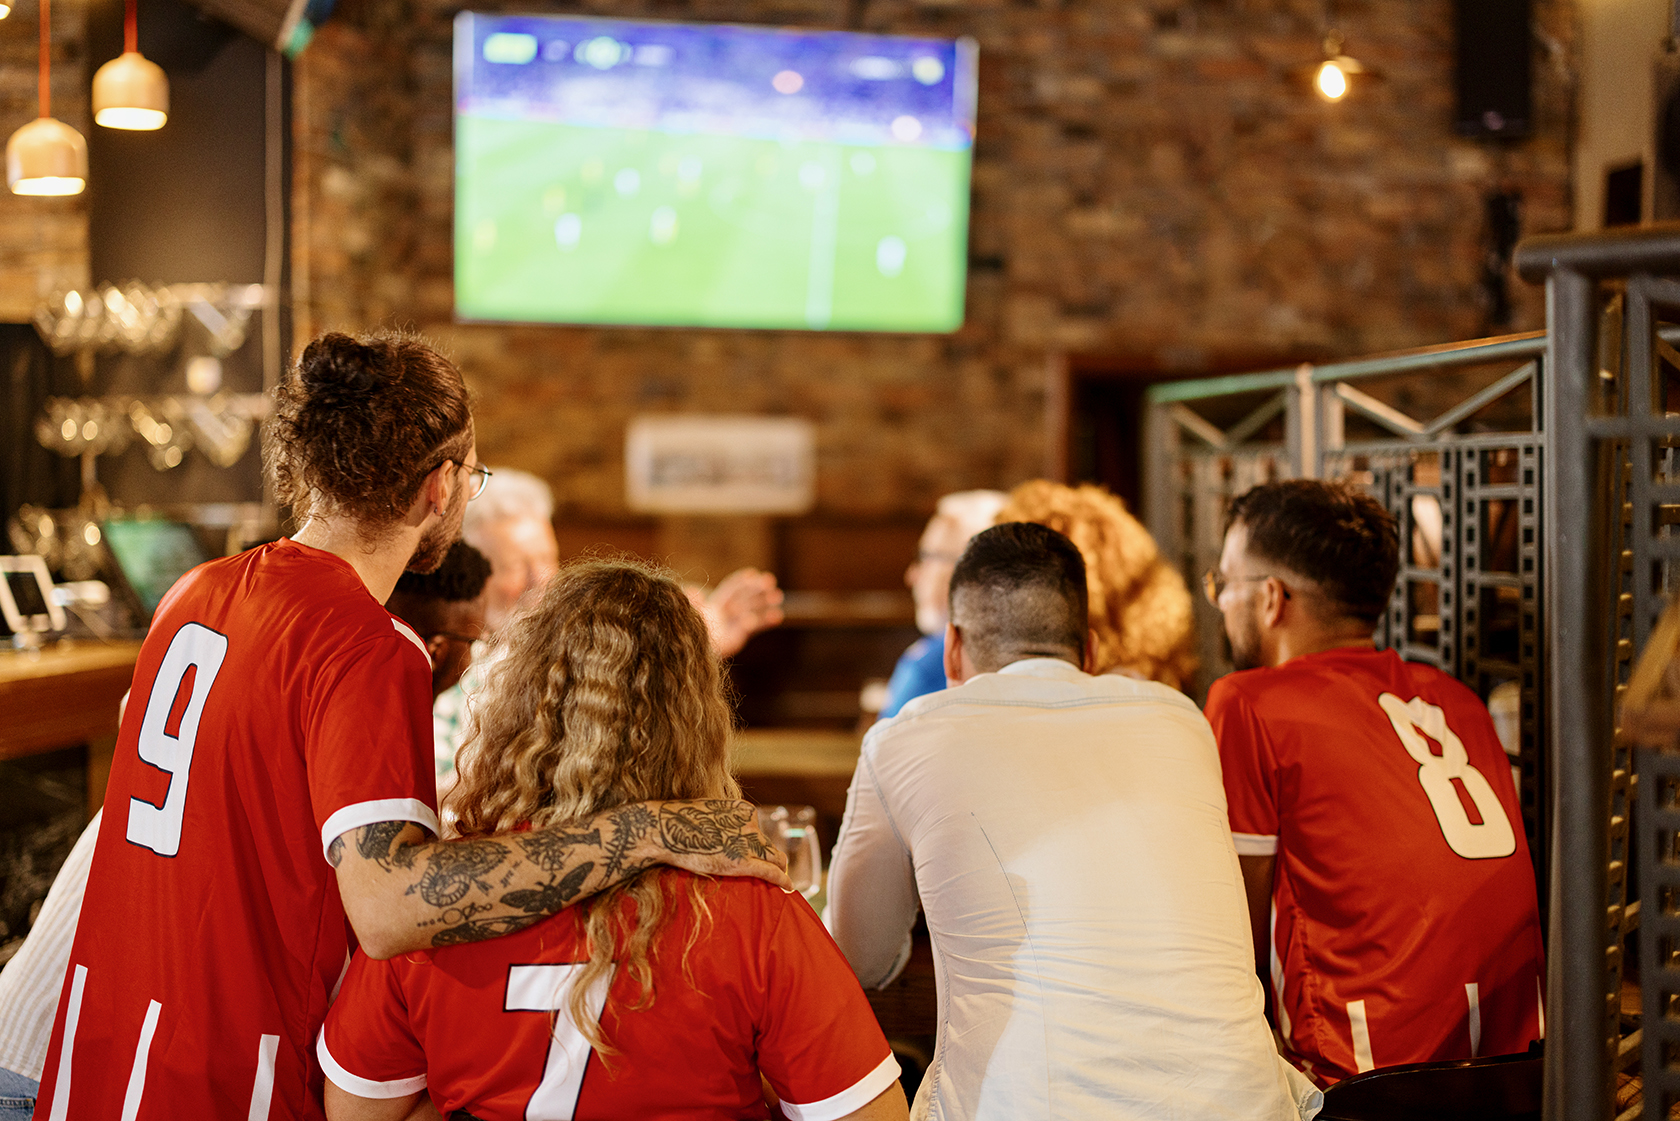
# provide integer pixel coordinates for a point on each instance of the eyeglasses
(1214, 584)
(477, 478)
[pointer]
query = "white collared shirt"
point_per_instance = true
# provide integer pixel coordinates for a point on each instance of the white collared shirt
(1067, 837)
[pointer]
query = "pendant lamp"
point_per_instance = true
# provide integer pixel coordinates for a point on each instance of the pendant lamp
(130, 91)
(46, 156)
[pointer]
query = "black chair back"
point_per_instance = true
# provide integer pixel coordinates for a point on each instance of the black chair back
(1500, 1088)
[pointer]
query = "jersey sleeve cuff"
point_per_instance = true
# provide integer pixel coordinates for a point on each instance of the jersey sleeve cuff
(380, 809)
(364, 1087)
(1255, 844)
(850, 1100)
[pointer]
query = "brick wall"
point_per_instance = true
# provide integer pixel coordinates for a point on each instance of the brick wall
(1148, 184)
(43, 241)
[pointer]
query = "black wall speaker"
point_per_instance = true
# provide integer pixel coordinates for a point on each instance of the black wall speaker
(1491, 77)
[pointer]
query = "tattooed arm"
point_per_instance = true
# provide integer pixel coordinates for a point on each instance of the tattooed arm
(403, 892)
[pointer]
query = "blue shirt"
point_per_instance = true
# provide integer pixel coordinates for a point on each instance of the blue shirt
(920, 670)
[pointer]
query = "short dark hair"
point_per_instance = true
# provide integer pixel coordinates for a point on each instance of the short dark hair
(1032, 580)
(1335, 535)
(460, 578)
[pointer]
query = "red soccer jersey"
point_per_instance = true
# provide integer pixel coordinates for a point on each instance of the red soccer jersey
(1404, 923)
(765, 990)
(275, 705)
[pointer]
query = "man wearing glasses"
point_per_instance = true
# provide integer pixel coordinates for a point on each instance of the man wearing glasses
(219, 911)
(1389, 886)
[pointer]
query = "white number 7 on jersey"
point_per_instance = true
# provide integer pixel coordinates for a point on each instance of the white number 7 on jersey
(1492, 836)
(169, 732)
(546, 988)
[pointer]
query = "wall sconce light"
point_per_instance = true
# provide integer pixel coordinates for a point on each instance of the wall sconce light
(46, 156)
(1333, 77)
(131, 91)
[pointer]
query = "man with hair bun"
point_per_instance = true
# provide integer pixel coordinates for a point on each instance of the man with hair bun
(444, 607)
(271, 800)
(1065, 835)
(1390, 893)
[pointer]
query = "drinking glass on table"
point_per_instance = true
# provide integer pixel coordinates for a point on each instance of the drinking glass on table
(793, 829)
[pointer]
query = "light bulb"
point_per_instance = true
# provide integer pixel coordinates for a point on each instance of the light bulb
(1331, 82)
(5, 10)
(49, 185)
(136, 120)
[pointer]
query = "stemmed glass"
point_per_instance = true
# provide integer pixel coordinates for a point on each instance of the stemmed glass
(793, 829)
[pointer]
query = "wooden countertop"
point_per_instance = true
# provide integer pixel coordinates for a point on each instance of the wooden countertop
(63, 694)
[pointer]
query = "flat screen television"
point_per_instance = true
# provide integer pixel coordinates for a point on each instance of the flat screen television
(637, 172)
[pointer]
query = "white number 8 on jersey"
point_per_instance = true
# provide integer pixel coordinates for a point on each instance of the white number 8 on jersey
(1493, 836)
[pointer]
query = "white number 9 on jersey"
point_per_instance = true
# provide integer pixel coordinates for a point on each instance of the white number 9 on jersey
(169, 732)
(1485, 840)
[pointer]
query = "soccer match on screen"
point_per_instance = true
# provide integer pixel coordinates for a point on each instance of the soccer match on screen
(618, 171)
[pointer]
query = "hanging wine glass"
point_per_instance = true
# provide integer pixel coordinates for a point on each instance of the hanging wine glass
(163, 425)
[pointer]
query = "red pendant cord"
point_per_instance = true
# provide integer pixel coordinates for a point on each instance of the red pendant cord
(131, 31)
(46, 58)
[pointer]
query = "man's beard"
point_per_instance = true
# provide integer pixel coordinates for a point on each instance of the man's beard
(433, 547)
(1243, 648)
(435, 543)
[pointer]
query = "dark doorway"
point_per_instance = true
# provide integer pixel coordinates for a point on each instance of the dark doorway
(1105, 430)
(1097, 409)
(1102, 429)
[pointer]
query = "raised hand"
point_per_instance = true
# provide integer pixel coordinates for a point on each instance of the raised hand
(745, 602)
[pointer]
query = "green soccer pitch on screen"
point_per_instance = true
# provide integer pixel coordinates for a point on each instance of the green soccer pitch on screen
(630, 172)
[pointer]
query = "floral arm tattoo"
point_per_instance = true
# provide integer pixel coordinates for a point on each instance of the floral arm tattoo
(470, 890)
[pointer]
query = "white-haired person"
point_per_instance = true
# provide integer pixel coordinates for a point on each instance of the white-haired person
(957, 518)
(512, 523)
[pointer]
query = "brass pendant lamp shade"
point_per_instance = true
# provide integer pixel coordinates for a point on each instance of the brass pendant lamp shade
(130, 91)
(46, 156)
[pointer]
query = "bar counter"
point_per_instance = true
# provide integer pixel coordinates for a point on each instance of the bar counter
(64, 694)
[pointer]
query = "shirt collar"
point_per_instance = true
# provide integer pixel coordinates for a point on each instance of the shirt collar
(1044, 667)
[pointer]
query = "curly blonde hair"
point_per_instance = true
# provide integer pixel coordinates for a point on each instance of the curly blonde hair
(1140, 608)
(609, 693)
